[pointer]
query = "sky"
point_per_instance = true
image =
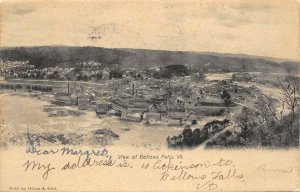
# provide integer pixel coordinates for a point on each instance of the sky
(254, 27)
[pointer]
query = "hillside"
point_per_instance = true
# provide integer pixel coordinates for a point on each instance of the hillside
(64, 56)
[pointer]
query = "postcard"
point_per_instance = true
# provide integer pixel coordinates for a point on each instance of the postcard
(125, 95)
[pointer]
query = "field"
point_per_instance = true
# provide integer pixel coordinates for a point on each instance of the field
(218, 76)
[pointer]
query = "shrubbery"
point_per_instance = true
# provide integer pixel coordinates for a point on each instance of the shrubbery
(192, 138)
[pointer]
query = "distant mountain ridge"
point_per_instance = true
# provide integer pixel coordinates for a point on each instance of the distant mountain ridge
(67, 56)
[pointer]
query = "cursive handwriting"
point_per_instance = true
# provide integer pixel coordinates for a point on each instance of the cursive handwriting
(205, 175)
(207, 186)
(183, 175)
(67, 151)
(166, 166)
(265, 168)
(88, 162)
(38, 166)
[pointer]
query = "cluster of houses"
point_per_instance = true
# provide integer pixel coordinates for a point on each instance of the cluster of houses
(133, 100)
(148, 101)
(15, 69)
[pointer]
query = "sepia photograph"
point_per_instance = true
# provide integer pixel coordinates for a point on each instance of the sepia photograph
(91, 78)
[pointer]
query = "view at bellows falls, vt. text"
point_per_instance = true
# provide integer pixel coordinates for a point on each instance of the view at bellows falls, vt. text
(63, 95)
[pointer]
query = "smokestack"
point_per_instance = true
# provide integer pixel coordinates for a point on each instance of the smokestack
(132, 90)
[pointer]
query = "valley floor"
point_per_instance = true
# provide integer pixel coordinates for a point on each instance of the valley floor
(23, 114)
